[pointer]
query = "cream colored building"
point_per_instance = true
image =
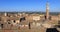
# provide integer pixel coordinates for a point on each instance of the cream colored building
(36, 18)
(17, 21)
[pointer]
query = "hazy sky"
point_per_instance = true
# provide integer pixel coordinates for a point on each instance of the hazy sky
(29, 5)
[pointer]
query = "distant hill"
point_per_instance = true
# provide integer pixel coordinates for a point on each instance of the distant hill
(51, 13)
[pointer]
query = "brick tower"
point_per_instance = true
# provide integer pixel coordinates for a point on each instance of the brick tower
(47, 11)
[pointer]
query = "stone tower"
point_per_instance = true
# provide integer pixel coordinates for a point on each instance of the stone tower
(5, 14)
(47, 10)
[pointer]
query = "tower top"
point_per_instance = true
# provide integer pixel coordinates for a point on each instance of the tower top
(47, 2)
(47, 5)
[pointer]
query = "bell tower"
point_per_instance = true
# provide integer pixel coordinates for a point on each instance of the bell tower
(47, 11)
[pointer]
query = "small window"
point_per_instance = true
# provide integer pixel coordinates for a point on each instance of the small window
(1, 25)
(14, 21)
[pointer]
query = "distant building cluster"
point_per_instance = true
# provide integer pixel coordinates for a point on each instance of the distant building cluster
(29, 21)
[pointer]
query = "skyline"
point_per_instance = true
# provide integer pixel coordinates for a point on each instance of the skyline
(28, 5)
